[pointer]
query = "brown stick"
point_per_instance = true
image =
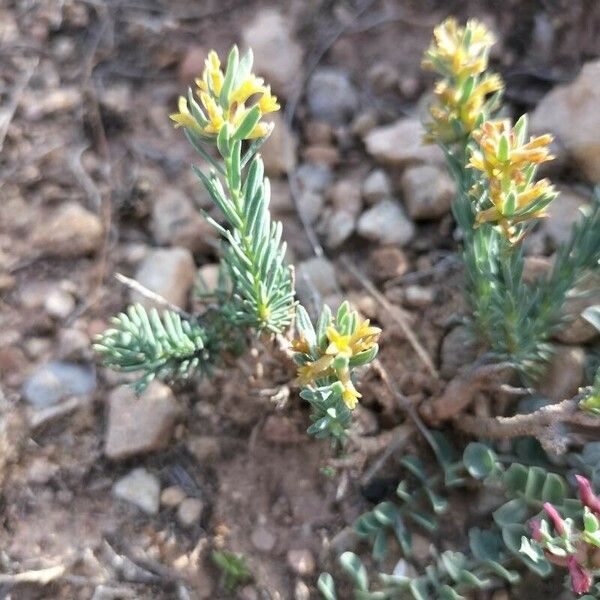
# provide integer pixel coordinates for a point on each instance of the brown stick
(460, 392)
(542, 424)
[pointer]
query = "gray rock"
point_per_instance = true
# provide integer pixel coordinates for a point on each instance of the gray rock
(279, 151)
(313, 177)
(301, 562)
(315, 278)
(56, 381)
(263, 539)
(376, 186)
(137, 425)
(427, 192)
(577, 329)
(69, 232)
(565, 373)
(340, 227)
(563, 213)
(175, 222)
(190, 512)
(59, 303)
(170, 272)
(172, 496)
(331, 96)
(141, 488)
(571, 113)
(400, 144)
(386, 223)
(277, 55)
(346, 195)
(310, 204)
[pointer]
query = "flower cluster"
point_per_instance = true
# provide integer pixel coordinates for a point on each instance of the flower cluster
(460, 56)
(564, 545)
(508, 162)
(236, 98)
(329, 355)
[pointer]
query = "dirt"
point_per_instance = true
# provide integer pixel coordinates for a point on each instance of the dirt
(92, 84)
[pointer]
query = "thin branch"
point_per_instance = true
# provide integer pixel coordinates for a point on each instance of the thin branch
(395, 313)
(40, 576)
(543, 424)
(132, 284)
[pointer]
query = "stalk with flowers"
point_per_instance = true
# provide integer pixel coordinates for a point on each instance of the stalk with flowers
(224, 122)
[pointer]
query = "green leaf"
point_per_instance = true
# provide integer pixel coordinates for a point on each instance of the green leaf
(514, 511)
(513, 536)
(386, 513)
(554, 489)
(503, 148)
(515, 478)
(485, 545)
(305, 326)
(233, 60)
(479, 460)
(248, 124)
(223, 140)
(326, 586)
(380, 545)
(536, 477)
(426, 521)
(420, 589)
(592, 315)
(354, 567)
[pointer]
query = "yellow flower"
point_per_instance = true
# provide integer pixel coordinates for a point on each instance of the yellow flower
(218, 107)
(460, 56)
(364, 337)
(508, 162)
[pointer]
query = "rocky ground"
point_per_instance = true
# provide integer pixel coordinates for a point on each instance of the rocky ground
(115, 497)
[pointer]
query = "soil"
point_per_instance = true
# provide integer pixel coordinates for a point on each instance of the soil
(90, 126)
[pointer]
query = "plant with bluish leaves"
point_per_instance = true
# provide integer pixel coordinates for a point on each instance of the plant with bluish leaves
(233, 567)
(224, 123)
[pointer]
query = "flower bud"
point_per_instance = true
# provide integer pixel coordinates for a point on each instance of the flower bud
(587, 496)
(557, 521)
(581, 579)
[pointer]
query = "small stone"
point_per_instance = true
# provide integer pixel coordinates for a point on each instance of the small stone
(340, 227)
(578, 330)
(279, 151)
(208, 277)
(318, 132)
(301, 562)
(69, 232)
(331, 96)
(190, 512)
(280, 430)
(263, 539)
(137, 425)
(313, 177)
(571, 113)
(192, 64)
(388, 262)
(459, 348)
(363, 123)
(169, 272)
(418, 296)
(400, 144)
(41, 470)
(175, 222)
(383, 76)
(301, 591)
(172, 496)
(376, 187)
(310, 204)
(345, 195)
(203, 447)
(43, 103)
(116, 100)
(141, 488)
(563, 213)
(427, 192)
(321, 155)
(59, 304)
(315, 278)
(277, 55)
(386, 223)
(73, 343)
(56, 381)
(564, 374)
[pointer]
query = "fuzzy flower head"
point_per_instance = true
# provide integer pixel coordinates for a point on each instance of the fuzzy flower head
(508, 162)
(460, 56)
(347, 343)
(235, 98)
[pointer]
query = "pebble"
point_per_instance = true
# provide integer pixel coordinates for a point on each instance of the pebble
(169, 272)
(192, 64)
(459, 348)
(263, 539)
(363, 123)
(376, 187)
(73, 343)
(277, 54)
(47, 102)
(321, 155)
(190, 512)
(386, 223)
(313, 177)
(388, 262)
(56, 381)
(301, 562)
(318, 132)
(331, 96)
(571, 113)
(418, 296)
(564, 374)
(69, 232)
(301, 591)
(172, 496)
(141, 488)
(563, 213)
(279, 429)
(59, 304)
(137, 425)
(427, 192)
(176, 222)
(203, 447)
(400, 144)
(315, 278)
(346, 195)
(311, 204)
(340, 227)
(279, 151)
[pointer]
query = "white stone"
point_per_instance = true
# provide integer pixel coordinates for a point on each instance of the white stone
(386, 223)
(340, 226)
(427, 192)
(190, 512)
(376, 186)
(141, 488)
